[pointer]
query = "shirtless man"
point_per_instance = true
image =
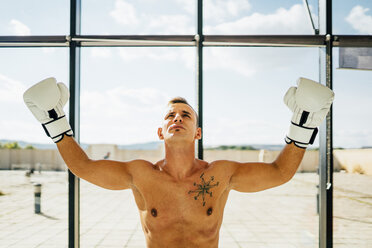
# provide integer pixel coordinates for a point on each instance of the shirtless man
(180, 198)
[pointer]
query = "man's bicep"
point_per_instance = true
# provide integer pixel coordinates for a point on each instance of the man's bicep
(253, 177)
(109, 174)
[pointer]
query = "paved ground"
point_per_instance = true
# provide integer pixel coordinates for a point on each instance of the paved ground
(281, 217)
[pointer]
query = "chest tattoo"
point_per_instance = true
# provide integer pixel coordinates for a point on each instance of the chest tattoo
(203, 188)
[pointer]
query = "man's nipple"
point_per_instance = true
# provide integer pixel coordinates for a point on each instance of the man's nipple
(209, 211)
(154, 212)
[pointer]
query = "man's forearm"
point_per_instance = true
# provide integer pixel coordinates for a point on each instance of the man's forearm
(71, 152)
(289, 160)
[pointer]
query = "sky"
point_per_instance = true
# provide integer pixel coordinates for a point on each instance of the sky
(124, 90)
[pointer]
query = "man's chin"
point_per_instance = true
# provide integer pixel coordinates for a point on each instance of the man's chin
(177, 139)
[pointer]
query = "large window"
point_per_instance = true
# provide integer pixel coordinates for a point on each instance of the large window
(251, 53)
(124, 93)
(246, 120)
(28, 157)
(244, 98)
(352, 154)
(130, 88)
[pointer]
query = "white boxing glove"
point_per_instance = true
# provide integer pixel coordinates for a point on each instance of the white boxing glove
(310, 103)
(46, 100)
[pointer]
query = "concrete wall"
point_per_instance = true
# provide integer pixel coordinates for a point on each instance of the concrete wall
(241, 156)
(100, 150)
(354, 160)
(351, 160)
(26, 159)
(309, 163)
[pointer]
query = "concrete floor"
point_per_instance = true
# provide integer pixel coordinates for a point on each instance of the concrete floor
(281, 217)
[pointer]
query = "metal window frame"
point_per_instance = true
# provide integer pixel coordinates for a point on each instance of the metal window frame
(74, 116)
(186, 41)
(325, 41)
(326, 130)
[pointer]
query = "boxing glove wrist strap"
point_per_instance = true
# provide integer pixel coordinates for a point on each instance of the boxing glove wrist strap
(301, 135)
(57, 127)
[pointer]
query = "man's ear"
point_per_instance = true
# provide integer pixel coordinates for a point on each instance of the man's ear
(198, 134)
(160, 134)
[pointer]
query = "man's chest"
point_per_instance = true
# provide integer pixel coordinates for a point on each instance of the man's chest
(199, 198)
(191, 208)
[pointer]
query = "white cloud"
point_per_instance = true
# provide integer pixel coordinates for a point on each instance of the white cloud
(219, 10)
(10, 90)
(188, 6)
(215, 58)
(48, 50)
(17, 122)
(100, 52)
(124, 13)
(127, 115)
(185, 55)
(352, 138)
(19, 28)
(243, 131)
(283, 21)
(359, 20)
(147, 53)
(25, 128)
(251, 61)
(171, 24)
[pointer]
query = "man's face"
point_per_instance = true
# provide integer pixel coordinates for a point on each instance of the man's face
(179, 124)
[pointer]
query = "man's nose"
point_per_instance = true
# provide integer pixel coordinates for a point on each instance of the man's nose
(178, 118)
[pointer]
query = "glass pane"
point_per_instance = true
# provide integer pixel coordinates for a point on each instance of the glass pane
(38, 17)
(352, 191)
(124, 93)
(243, 17)
(28, 156)
(120, 17)
(352, 17)
(246, 120)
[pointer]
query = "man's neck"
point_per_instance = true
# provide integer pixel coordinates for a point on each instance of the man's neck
(179, 160)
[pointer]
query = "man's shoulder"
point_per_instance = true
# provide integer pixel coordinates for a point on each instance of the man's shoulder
(140, 164)
(223, 165)
(223, 162)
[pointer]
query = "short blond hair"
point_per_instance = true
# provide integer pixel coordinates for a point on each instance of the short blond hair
(180, 99)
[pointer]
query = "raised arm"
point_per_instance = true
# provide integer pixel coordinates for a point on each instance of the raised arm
(310, 103)
(46, 100)
(107, 174)
(253, 177)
